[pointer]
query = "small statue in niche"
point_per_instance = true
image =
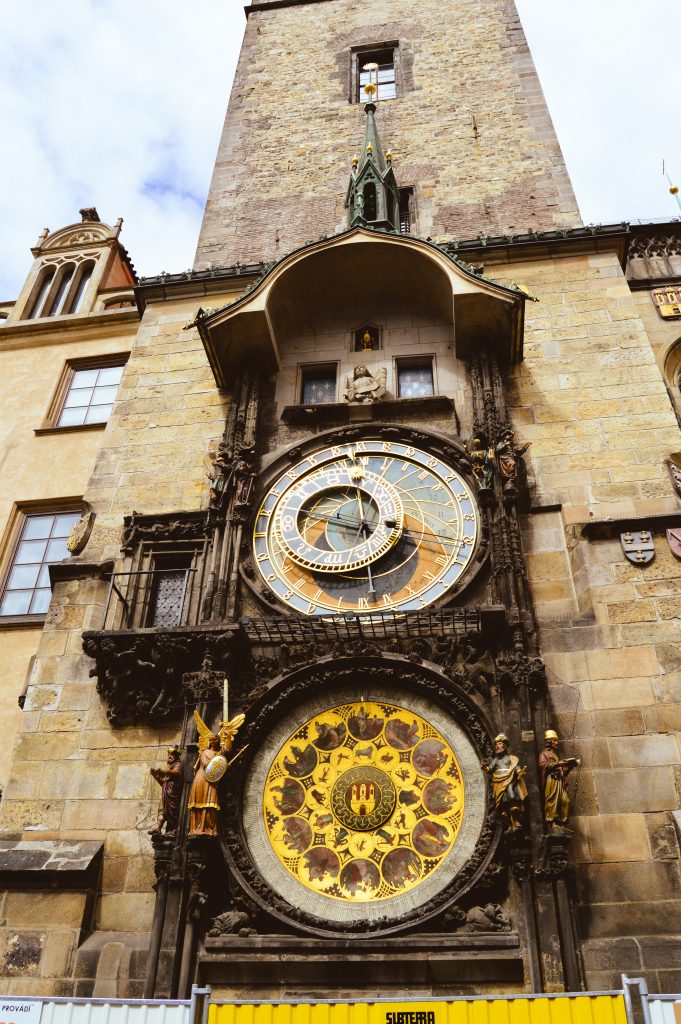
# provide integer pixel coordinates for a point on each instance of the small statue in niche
(553, 772)
(220, 474)
(170, 780)
(210, 766)
(366, 339)
(481, 462)
(365, 386)
(508, 784)
(508, 454)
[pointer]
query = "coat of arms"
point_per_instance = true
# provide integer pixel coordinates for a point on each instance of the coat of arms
(674, 466)
(674, 540)
(638, 546)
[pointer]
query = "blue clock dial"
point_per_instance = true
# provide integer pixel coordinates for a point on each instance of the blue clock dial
(366, 527)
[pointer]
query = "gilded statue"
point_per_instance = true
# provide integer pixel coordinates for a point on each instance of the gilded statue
(508, 784)
(481, 462)
(211, 764)
(553, 772)
(170, 780)
(365, 386)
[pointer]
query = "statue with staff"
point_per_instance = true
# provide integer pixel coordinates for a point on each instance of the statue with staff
(211, 765)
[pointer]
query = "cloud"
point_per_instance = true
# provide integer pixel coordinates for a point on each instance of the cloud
(120, 105)
(114, 105)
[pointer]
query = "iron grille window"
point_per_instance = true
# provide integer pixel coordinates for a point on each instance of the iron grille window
(318, 385)
(415, 378)
(42, 541)
(168, 591)
(376, 68)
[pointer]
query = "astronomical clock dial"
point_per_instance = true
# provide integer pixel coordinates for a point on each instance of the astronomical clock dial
(363, 802)
(365, 807)
(364, 527)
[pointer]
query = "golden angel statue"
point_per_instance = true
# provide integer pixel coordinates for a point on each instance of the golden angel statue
(211, 765)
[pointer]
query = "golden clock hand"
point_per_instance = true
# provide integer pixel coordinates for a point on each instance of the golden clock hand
(388, 524)
(372, 588)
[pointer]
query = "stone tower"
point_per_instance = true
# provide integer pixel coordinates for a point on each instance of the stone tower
(471, 135)
(386, 513)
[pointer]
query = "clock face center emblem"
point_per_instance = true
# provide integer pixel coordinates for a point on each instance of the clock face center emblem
(363, 798)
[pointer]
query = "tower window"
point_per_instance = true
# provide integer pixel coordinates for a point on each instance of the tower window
(376, 68)
(56, 306)
(60, 289)
(406, 209)
(318, 385)
(415, 378)
(46, 278)
(169, 582)
(369, 206)
(83, 280)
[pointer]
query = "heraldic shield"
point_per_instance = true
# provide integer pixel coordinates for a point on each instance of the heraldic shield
(638, 546)
(674, 541)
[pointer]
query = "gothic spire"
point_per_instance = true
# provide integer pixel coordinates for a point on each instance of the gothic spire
(373, 197)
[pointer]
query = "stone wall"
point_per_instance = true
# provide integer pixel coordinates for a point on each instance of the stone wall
(591, 398)
(469, 130)
(73, 776)
(35, 363)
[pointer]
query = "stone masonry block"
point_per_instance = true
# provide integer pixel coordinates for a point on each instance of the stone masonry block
(640, 789)
(618, 664)
(604, 838)
(631, 751)
(60, 909)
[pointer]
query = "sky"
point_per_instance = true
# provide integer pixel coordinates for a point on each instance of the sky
(119, 104)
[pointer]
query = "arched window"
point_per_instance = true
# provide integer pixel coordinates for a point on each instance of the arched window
(84, 275)
(370, 201)
(47, 276)
(63, 282)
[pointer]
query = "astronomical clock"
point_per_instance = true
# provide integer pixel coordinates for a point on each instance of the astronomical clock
(366, 526)
(366, 804)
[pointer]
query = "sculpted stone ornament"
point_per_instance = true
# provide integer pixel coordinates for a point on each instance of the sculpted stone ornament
(490, 918)
(210, 766)
(674, 467)
(507, 455)
(553, 772)
(80, 533)
(674, 541)
(508, 784)
(365, 386)
(638, 546)
(237, 921)
(170, 780)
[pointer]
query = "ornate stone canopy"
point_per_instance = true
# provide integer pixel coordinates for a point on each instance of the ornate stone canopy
(327, 277)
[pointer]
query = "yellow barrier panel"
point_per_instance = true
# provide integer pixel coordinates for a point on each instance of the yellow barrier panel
(586, 1009)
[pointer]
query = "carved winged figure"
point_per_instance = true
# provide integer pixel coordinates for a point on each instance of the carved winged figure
(365, 385)
(204, 805)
